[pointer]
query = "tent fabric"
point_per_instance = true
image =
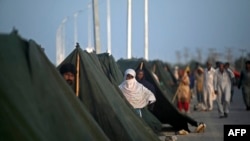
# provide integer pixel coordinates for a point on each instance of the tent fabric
(115, 75)
(110, 68)
(103, 101)
(163, 109)
(169, 84)
(36, 103)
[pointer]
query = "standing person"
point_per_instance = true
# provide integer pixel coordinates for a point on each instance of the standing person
(208, 87)
(222, 88)
(141, 79)
(183, 92)
(227, 67)
(68, 71)
(135, 93)
(199, 80)
(244, 83)
(191, 75)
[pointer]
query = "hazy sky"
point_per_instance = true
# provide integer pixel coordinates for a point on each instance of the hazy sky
(173, 25)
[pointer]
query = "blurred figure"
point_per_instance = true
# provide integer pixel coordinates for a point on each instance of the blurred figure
(208, 87)
(191, 76)
(141, 79)
(217, 64)
(244, 83)
(227, 66)
(222, 88)
(199, 80)
(183, 92)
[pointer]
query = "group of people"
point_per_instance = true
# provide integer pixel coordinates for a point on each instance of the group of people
(136, 89)
(139, 92)
(213, 84)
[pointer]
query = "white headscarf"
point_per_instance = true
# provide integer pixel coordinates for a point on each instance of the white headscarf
(137, 95)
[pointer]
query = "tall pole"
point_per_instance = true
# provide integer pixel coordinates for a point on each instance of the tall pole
(75, 26)
(64, 36)
(108, 27)
(129, 40)
(146, 30)
(60, 42)
(89, 26)
(96, 27)
(59, 46)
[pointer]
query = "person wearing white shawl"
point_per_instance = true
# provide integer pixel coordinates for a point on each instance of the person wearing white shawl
(135, 93)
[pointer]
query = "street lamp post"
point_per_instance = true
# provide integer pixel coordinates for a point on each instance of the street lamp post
(146, 30)
(96, 27)
(129, 38)
(60, 42)
(108, 27)
(75, 25)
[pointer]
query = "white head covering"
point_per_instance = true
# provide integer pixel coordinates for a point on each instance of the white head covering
(136, 94)
(129, 71)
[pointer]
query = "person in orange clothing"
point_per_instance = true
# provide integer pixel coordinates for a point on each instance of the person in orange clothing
(183, 92)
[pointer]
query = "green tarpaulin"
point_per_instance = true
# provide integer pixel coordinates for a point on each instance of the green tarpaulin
(115, 75)
(168, 82)
(36, 103)
(163, 109)
(110, 68)
(105, 102)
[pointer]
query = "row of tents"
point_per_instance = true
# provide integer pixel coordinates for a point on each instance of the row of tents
(37, 103)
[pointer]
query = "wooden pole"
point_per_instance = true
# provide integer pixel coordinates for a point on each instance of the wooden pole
(141, 65)
(77, 73)
(154, 68)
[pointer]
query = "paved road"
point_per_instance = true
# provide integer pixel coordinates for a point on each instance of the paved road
(214, 130)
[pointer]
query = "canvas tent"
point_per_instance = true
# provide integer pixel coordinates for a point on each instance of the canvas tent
(103, 101)
(164, 110)
(36, 103)
(112, 71)
(110, 68)
(168, 82)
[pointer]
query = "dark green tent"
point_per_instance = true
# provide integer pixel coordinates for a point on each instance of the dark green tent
(168, 82)
(110, 68)
(164, 110)
(36, 103)
(103, 101)
(115, 75)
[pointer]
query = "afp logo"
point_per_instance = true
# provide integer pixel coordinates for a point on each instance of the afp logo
(241, 132)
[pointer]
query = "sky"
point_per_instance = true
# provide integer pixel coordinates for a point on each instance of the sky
(174, 26)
